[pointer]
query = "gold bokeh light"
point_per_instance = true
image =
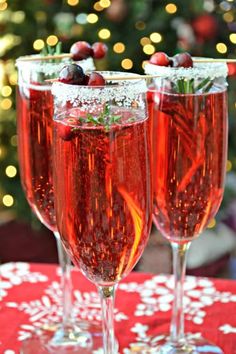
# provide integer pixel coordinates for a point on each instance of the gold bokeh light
(6, 91)
(145, 41)
(140, 25)
(232, 38)
(104, 33)
(127, 63)
(171, 8)
(72, 2)
(11, 171)
(221, 48)
(8, 200)
(212, 224)
(105, 3)
(119, 47)
(6, 104)
(97, 6)
(156, 37)
(92, 18)
(52, 40)
(149, 49)
(38, 44)
(228, 17)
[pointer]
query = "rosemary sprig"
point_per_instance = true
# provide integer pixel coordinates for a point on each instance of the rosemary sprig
(188, 86)
(105, 118)
(48, 50)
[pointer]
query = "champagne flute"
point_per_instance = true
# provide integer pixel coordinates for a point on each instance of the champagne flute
(188, 107)
(102, 182)
(34, 128)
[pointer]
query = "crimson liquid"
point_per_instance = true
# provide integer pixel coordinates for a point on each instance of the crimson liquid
(34, 128)
(189, 157)
(103, 195)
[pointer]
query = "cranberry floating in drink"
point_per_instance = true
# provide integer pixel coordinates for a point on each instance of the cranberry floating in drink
(188, 109)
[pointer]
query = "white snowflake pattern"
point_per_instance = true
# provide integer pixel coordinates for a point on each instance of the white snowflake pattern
(147, 344)
(156, 294)
(13, 274)
(48, 309)
(227, 328)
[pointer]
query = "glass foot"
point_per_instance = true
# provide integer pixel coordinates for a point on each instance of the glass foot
(191, 344)
(83, 338)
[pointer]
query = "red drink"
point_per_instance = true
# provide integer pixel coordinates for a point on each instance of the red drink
(34, 127)
(102, 194)
(189, 154)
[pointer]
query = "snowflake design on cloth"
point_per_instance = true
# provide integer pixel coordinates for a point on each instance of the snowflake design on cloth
(156, 294)
(48, 309)
(142, 339)
(13, 274)
(227, 328)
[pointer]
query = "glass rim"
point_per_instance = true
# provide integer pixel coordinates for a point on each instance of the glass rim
(188, 94)
(118, 89)
(20, 60)
(200, 70)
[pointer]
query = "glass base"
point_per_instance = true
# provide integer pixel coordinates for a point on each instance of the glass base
(191, 344)
(83, 338)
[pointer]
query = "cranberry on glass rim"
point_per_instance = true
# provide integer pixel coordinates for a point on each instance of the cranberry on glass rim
(99, 50)
(81, 50)
(179, 60)
(183, 60)
(160, 58)
(72, 74)
(96, 79)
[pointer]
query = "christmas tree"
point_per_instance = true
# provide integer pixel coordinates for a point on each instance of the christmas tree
(132, 30)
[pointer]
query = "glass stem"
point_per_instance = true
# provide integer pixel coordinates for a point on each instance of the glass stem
(107, 294)
(66, 284)
(179, 268)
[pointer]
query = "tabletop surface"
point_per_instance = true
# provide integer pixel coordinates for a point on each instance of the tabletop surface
(31, 296)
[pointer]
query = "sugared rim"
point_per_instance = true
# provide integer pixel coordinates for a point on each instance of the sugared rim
(199, 70)
(49, 67)
(119, 90)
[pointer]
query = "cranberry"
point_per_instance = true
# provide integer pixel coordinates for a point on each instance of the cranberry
(72, 74)
(81, 50)
(66, 128)
(183, 60)
(96, 79)
(65, 132)
(99, 50)
(160, 58)
(86, 80)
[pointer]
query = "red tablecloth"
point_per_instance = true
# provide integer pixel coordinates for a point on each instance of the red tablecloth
(31, 295)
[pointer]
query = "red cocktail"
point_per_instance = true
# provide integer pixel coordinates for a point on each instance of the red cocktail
(102, 187)
(34, 129)
(188, 109)
(189, 156)
(102, 176)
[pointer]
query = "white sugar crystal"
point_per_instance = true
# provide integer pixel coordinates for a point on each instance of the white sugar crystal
(202, 70)
(124, 93)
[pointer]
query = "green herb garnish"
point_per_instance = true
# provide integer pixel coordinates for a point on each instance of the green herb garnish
(48, 50)
(188, 86)
(106, 118)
